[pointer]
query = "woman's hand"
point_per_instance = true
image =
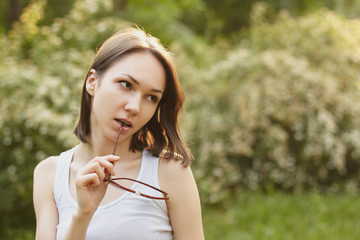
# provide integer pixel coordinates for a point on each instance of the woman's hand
(90, 185)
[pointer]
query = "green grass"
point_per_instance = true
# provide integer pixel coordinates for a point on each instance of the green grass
(280, 216)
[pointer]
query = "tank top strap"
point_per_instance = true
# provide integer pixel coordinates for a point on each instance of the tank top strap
(62, 173)
(150, 167)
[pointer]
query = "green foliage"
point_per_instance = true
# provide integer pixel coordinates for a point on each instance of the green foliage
(280, 111)
(254, 216)
(227, 18)
(154, 15)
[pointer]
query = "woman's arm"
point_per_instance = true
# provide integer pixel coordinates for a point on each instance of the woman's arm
(184, 203)
(44, 202)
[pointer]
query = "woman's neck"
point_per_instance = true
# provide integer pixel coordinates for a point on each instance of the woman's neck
(101, 147)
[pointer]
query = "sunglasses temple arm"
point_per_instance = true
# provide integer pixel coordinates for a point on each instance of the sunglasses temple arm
(114, 151)
(117, 138)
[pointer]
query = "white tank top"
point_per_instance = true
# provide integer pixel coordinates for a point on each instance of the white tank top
(129, 217)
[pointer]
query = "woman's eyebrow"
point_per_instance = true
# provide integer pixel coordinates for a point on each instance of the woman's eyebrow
(138, 83)
(132, 78)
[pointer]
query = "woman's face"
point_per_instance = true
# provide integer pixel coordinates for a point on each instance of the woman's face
(126, 94)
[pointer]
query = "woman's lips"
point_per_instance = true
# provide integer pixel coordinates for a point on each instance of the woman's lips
(125, 124)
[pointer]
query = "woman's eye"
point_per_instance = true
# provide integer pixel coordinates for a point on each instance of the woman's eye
(125, 84)
(152, 98)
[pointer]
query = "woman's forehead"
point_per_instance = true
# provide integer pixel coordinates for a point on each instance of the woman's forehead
(140, 67)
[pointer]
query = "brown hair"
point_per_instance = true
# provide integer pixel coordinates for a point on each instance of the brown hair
(161, 134)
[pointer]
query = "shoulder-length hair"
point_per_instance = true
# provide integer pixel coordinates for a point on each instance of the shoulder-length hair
(161, 135)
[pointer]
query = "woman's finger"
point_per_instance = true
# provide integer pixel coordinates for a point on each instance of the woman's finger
(98, 165)
(108, 162)
(99, 170)
(91, 179)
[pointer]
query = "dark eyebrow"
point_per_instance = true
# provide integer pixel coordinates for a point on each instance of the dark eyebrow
(137, 83)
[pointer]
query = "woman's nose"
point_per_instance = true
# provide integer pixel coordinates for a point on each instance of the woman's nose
(133, 103)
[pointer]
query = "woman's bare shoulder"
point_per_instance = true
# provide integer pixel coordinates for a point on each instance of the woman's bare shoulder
(47, 164)
(171, 165)
(46, 168)
(172, 172)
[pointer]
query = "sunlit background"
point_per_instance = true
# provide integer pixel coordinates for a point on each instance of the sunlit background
(272, 111)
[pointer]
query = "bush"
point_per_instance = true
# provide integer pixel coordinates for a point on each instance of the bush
(281, 112)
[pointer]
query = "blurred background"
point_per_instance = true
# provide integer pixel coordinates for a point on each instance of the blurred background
(272, 107)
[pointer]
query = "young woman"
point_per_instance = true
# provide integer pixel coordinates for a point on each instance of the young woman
(128, 128)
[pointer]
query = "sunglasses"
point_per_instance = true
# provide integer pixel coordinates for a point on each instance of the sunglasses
(147, 190)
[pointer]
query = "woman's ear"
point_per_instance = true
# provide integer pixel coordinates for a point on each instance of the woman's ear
(90, 82)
